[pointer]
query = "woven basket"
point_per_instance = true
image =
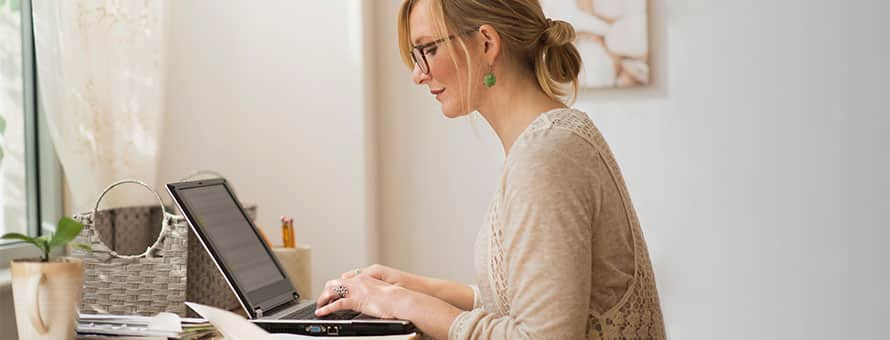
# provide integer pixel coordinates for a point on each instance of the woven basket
(145, 284)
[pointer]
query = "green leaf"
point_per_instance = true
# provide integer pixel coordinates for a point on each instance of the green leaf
(2, 120)
(67, 230)
(82, 246)
(17, 236)
(21, 237)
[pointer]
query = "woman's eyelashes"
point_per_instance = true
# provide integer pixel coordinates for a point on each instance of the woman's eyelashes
(430, 52)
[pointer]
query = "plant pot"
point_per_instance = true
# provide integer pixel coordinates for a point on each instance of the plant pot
(46, 295)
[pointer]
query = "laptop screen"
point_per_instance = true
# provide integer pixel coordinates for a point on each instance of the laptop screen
(232, 236)
(232, 240)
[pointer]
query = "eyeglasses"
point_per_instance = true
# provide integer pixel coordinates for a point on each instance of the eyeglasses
(420, 53)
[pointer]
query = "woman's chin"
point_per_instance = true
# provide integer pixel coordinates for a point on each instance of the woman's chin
(452, 113)
(452, 116)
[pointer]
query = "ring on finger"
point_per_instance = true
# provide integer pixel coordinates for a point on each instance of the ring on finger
(341, 291)
(357, 271)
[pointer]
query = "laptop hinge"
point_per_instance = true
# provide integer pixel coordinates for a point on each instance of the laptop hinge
(283, 302)
(259, 312)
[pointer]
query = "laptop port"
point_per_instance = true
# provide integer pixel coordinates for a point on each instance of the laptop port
(315, 329)
(333, 330)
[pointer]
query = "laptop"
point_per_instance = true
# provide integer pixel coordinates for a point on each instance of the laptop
(253, 272)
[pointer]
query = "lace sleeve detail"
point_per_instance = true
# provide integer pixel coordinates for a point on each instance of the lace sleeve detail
(460, 327)
(477, 297)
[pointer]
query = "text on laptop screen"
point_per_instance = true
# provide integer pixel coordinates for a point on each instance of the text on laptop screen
(232, 236)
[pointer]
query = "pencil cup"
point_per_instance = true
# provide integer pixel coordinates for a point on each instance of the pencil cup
(297, 262)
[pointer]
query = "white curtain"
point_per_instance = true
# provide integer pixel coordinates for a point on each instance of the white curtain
(100, 67)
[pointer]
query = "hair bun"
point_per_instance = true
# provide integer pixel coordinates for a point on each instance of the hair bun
(557, 60)
(558, 33)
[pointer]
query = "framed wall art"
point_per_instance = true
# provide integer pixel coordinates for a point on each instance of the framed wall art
(611, 36)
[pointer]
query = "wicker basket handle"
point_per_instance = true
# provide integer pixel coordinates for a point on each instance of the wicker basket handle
(164, 213)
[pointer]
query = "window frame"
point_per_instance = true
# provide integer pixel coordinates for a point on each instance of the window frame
(43, 173)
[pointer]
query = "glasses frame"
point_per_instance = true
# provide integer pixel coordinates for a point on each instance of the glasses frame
(419, 49)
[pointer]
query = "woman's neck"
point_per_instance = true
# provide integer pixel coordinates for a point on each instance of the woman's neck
(512, 105)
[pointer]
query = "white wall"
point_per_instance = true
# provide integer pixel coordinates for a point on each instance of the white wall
(436, 175)
(271, 94)
(757, 162)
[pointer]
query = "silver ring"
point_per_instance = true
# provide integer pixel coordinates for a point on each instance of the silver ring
(357, 271)
(341, 291)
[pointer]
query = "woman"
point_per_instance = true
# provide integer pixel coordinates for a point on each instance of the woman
(562, 255)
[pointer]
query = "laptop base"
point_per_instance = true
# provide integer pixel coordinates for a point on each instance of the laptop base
(327, 328)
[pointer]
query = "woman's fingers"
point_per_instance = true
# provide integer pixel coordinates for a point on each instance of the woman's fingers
(375, 270)
(323, 299)
(328, 294)
(352, 273)
(363, 294)
(341, 304)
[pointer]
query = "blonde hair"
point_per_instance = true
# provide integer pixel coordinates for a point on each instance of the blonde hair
(542, 45)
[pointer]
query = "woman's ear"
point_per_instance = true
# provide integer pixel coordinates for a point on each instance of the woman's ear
(491, 43)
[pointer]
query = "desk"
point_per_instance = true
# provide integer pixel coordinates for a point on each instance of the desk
(412, 336)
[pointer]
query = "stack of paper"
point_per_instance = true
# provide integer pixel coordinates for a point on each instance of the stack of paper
(162, 325)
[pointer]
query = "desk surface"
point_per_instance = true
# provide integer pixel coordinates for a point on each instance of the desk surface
(412, 336)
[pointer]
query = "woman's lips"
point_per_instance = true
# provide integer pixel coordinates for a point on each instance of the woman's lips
(437, 92)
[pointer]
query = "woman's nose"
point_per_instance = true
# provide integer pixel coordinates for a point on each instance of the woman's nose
(418, 76)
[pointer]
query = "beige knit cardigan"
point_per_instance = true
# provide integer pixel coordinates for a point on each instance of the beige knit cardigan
(562, 255)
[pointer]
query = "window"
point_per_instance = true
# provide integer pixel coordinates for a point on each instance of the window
(12, 123)
(30, 181)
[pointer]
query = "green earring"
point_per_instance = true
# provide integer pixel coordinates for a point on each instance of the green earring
(489, 80)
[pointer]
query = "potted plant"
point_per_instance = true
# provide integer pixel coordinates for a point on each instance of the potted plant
(46, 290)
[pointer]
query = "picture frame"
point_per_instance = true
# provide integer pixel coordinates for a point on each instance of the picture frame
(612, 38)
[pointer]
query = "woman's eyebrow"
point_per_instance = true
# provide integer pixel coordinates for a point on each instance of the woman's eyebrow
(417, 41)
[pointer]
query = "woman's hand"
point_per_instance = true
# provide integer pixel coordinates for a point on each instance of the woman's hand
(370, 296)
(382, 273)
(364, 294)
(457, 294)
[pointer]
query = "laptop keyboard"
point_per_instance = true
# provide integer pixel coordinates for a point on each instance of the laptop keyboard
(308, 313)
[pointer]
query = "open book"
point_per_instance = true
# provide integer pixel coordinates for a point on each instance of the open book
(235, 327)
